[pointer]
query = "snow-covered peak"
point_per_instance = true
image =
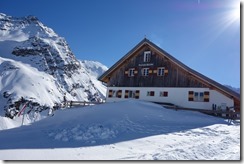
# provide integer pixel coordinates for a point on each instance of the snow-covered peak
(43, 68)
(3, 16)
(94, 68)
(20, 29)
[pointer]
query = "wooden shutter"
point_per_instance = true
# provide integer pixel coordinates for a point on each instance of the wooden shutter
(166, 72)
(137, 94)
(110, 93)
(135, 71)
(119, 94)
(126, 94)
(127, 73)
(190, 96)
(206, 96)
(154, 71)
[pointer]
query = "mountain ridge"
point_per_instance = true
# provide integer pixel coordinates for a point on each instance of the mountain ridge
(38, 66)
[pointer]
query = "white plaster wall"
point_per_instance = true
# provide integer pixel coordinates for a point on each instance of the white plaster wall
(177, 96)
(218, 98)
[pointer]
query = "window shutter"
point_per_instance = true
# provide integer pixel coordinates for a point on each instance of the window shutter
(190, 95)
(154, 70)
(119, 93)
(206, 96)
(137, 94)
(135, 71)
(110, 93)
(166, 72)
(126, 94)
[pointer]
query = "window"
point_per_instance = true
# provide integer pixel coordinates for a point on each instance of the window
(115, 93)
(198, 96)
(161, 71)
(150, 93)
(201, 96)
(147, 56)
(145, 71)
(132, 94)
(131, 72)
(195, 96)
(163, 94)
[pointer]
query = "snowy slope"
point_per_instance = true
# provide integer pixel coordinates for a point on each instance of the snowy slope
(94, 68)
(128, 130)
(38, 65)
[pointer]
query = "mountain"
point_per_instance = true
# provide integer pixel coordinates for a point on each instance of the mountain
(37, 67)
(237, 90)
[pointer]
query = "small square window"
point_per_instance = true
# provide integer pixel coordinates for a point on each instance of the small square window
(160, 71)
(163, 94)
(145, 71)
(150, 93)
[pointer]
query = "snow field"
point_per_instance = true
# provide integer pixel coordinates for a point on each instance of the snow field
(128, 130)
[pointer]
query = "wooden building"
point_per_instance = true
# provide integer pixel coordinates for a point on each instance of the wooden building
(149, 73)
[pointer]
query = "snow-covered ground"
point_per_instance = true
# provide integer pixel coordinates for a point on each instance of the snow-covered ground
(128, 130)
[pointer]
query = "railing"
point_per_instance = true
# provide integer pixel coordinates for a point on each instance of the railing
(216, 112)
(79, 103)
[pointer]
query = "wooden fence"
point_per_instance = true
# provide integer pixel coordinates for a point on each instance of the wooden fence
(79, 103)
(217, 112)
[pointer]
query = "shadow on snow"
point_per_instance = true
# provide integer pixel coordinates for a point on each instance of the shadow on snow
(93, 126)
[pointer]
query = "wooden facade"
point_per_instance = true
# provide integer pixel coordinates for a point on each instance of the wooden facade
(147, 65)
(173, 75)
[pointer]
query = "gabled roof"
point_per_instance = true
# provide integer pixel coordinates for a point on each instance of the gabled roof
(207, 80)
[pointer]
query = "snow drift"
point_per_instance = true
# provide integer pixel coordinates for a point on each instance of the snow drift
(124, 130)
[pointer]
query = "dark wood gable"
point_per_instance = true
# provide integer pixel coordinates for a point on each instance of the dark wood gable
(157, 70)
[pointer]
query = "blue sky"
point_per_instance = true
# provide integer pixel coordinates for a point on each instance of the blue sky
(203, 34)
